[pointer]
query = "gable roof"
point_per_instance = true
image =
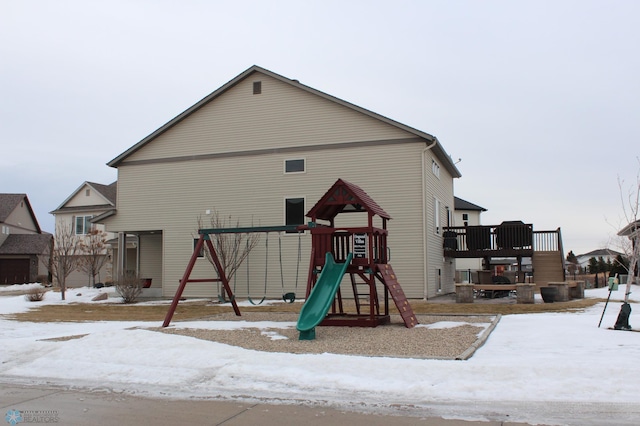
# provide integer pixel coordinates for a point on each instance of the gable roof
(26, 243)
(344, 196)
(460, 204)
(630, 230)
(600, 252)
(107, 192)
(9, 202)
(437, 147)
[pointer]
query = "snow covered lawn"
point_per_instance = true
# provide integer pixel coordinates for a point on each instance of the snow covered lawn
(529, 358)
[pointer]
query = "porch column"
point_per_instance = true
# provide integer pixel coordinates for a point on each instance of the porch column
(122, 254)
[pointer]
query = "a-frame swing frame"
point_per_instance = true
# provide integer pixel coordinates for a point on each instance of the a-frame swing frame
(222, 278)
(202, 240)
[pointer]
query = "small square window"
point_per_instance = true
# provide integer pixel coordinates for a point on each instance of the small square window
(294, 166)
(257, 87)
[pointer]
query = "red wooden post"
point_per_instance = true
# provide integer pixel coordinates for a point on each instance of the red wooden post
(223, 277)
(183, 282)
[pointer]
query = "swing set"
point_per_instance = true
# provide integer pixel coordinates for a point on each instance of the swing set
(362, 251)
(205, 240)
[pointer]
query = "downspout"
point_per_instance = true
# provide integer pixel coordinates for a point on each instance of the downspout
(424, 216)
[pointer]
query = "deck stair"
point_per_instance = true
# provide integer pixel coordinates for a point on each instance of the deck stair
(388, 277)
(548, 266)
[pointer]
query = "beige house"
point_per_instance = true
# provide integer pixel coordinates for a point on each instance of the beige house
(76, 213)
(261, 150)
(24, 247)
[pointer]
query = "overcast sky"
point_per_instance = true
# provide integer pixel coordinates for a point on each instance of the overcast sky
(539, 99)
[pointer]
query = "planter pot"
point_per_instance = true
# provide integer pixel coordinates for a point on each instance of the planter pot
(548, 294)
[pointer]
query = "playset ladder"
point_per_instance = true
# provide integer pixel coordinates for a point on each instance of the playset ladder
(388, 278)
(364, 299)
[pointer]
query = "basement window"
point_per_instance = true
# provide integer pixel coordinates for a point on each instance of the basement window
(257, 87)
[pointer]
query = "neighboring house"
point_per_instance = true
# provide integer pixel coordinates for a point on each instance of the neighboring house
(262, 150)
(466, 214)
(606, 254)
(76, 213)
(24, 248)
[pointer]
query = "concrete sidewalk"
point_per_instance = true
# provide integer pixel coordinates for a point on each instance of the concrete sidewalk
(76, 407)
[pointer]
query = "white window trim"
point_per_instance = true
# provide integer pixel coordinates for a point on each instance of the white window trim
(435, 168)
(437, 228)
(84, 223)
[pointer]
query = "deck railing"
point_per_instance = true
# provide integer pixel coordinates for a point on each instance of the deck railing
(506, 239)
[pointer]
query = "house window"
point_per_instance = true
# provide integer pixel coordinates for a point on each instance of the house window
(195, 243)
(465, 216)
(435, 168)
(83, 225)
(257, 87)
(294, 166)
(436, 216)
(294, 211)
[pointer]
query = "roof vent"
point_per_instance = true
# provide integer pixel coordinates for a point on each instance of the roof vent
(257, 87)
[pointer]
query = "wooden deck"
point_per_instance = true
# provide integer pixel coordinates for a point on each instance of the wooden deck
(509, 239)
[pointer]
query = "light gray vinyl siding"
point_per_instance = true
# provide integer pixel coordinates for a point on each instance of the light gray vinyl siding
(281, 117)
(150, 249)
(20, 220)
(171, 197)
(441, 188)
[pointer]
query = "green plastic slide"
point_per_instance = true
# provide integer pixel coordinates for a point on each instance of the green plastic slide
(317, 305)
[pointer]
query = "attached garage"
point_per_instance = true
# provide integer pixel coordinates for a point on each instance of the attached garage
(14, 271)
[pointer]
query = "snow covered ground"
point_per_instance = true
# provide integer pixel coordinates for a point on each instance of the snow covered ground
(551, 368)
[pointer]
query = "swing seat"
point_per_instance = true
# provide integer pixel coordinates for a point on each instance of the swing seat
(223, 299)
(289, 297)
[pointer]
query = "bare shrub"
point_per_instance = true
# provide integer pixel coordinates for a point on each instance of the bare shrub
(44, 280)
(129, 288)
(231, 248)
(35, 294)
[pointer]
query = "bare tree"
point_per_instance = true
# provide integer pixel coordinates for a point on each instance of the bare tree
(232, 248)
(630, 241)
(63, 256)
(93, 249)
